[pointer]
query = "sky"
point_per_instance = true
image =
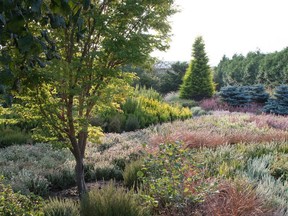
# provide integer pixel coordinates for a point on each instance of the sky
(228, 27)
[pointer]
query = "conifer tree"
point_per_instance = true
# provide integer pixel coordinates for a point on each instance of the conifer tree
(198, 81)
(279, 103)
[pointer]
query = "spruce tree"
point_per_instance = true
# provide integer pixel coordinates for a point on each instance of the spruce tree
(279, 103)
(198, 81)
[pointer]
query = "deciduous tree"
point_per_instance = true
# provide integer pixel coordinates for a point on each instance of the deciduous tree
(65, 57)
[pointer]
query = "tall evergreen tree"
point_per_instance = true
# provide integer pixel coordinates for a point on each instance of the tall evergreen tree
(198, 82)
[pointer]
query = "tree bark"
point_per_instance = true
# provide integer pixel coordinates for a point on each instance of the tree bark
(80, 181)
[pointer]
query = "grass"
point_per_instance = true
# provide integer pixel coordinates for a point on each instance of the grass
(235, 199)
(111, 201)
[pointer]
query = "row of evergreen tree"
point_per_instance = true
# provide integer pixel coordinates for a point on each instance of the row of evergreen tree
(241, 96)
(270, 69)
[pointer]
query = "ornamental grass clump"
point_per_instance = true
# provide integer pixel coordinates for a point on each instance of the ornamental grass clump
(130, 174)
(112, 201)
(61, 207)
(235, 199)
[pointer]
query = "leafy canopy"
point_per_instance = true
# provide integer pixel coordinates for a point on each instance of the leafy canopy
(64, 57)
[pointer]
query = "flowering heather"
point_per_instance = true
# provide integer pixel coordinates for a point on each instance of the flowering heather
(271, 121)
(213, 104)
(215, 130)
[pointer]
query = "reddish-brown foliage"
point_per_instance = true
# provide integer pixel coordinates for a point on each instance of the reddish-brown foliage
(199, 139)
(216, 104)
(235, 200)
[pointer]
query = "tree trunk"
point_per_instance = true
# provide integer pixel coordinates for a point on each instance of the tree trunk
(80, 181)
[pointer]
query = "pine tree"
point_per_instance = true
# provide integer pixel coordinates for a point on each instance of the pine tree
(198, 81)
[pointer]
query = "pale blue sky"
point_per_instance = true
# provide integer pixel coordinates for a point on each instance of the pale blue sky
(228, 27)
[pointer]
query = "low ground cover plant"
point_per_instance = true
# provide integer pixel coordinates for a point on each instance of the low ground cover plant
(11, 136)
(196, 153)
(12, 203)
(172, 179)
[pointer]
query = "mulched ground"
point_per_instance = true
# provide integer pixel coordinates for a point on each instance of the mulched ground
(72, 192)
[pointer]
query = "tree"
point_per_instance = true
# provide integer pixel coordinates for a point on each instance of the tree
(235, 70)
(273, 69)
(255, 68)
(243, 95)
(219, 71)
(65, 57)
(278, 104)
(197, 82)
(173, 77)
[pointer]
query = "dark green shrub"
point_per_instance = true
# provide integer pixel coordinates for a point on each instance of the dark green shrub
(130, 174)
(61, 179)
(89, 172)
(120, 163)
(111, 201)
(135, 156)
(98, 120)
(108, 173)
(279, 104)
(132, 123)
(61, 207)
(116, 123)
(16, 204)
(9, 136)
(172, 79)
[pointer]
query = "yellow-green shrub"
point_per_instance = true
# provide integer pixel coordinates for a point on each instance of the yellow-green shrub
(17, 204)
(140, 112)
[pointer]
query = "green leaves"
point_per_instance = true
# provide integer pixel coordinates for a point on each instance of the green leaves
(57, 21)
(16, 24)
(60, 7)
(171, 177)
(36, 6)
(93, 39)
(25, 43)
(2, 19)
(86, 4)
(254, 68)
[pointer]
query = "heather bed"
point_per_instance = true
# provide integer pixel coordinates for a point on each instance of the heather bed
(228, 147)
